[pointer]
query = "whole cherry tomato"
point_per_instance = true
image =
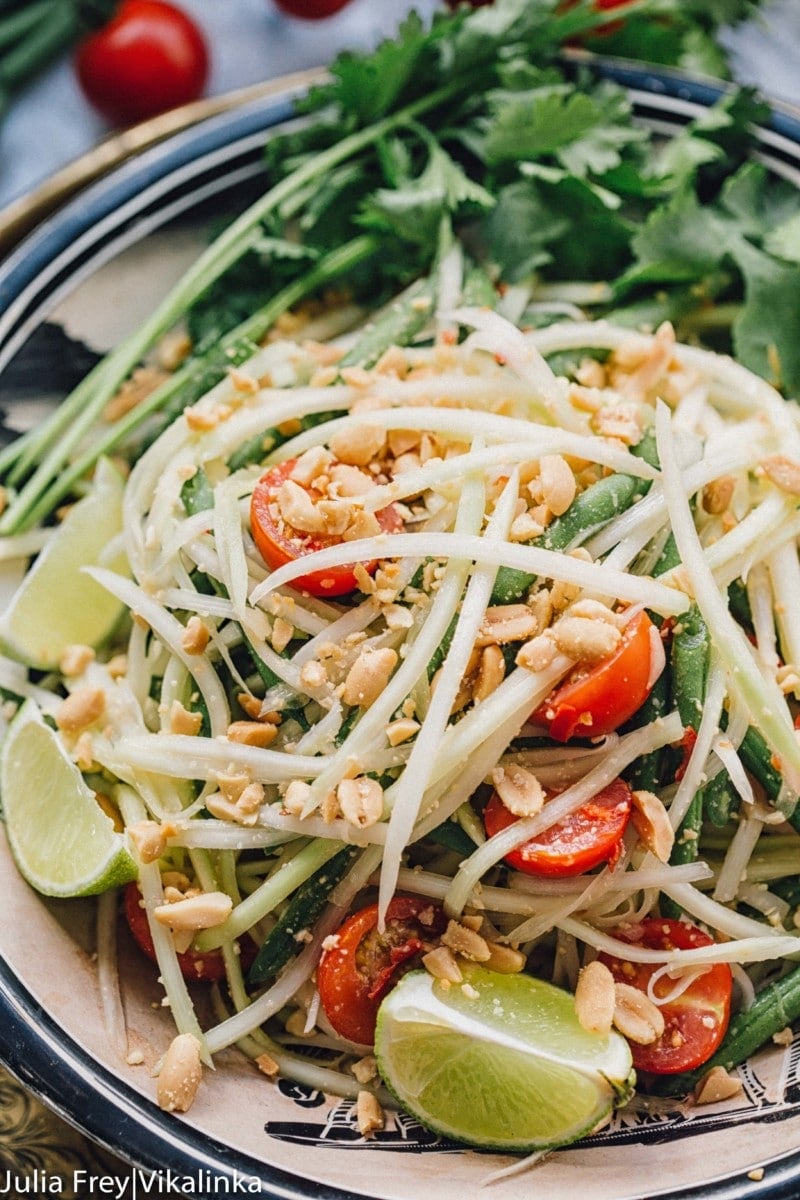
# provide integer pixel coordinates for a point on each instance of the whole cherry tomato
(597, 699)
(279, 543)
(696, 1020)
(312, 10)
(196, 966)
(150, 57)
(592, 835)
(361, 964)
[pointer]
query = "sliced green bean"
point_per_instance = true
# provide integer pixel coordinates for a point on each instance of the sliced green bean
(589, 511)
(302, 913)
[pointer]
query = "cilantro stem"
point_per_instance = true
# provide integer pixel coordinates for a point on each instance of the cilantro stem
(80, 410)
(329, 267)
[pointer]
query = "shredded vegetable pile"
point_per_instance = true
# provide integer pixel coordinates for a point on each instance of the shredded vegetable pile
(460, 634)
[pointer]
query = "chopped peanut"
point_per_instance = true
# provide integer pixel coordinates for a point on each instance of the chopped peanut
(150, 839)
(784, 473)
(595, 998)
(466, 942)
(519, 789)
(368, 676)
(75, 659)
(441, 963)
(205, 911)
(252, 733)
(586, 640)
(718, 494)
(491, 672)
(507, 623)
(182, 721)
(369, 1114)
(360, 800)
(558, 483)
(717, 1085)
(505, 959)
(636, 1016)
(401, 730)
(180, 1075)
(81, 709)
(196, 636)
(358, 445)
(651, 822)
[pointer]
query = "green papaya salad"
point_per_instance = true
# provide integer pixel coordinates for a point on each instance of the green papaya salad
(406, 644)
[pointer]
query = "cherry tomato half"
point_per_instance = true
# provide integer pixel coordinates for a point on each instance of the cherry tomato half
(279, 543)
(591, 836)
(597, 699)
(312, 10)
(150, 57)
(355, 974)
(696, 1020)
(196, 966)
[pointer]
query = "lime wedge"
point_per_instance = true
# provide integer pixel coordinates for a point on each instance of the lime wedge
(62, 841)
(57, 605)
(501, 1063)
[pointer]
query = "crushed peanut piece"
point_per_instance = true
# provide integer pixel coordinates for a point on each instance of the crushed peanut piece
(401, 730)
(558, 483)
(369, 1114)
(368, 676)
(182, 721)
(784, 473)
(81, 709)
(252, 733)
(595, 998)
(150, 839)
(636, 1016)
(717, 495)
(504, 623)
(75, 659)
(441, 963)
(358, 445)
(466, 942)
(505, 959)
(180, 1075)
(296, 797)
(538, 653)
(196, 636)
(360, 801)
(717, 1085)
(519, 789)
(491, 672)
(205, 911)
(365, 1069)
(267, 1065)
(282, 634)
(586, 640)
(651, 821)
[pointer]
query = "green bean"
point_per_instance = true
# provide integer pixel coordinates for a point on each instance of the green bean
(397, 326)
(689, 661)
(589, 511)
(719, 799)
(774, 1009)
(302, 913)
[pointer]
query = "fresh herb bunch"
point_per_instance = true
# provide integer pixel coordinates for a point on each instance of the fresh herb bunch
(536, 165)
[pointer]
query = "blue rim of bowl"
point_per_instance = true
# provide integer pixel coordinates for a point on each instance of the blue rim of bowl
(140, 195)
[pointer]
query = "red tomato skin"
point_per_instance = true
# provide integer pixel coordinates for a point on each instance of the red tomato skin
(356, 972)
(149, 58)
(196, 966)
(596, 700)
(696, 1021)
(591, 836)
(311, 10)
(278, 547)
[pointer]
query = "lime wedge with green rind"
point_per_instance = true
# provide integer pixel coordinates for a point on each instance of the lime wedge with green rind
(501, 1063)
(57, 604)
(62, 841)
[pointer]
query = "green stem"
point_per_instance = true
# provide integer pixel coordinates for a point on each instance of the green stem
(49, 40)
(90, 397)
(17, 24)
(330, 267)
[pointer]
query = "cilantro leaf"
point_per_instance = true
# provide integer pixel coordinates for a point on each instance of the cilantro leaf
(766, 334)
(413, 210)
